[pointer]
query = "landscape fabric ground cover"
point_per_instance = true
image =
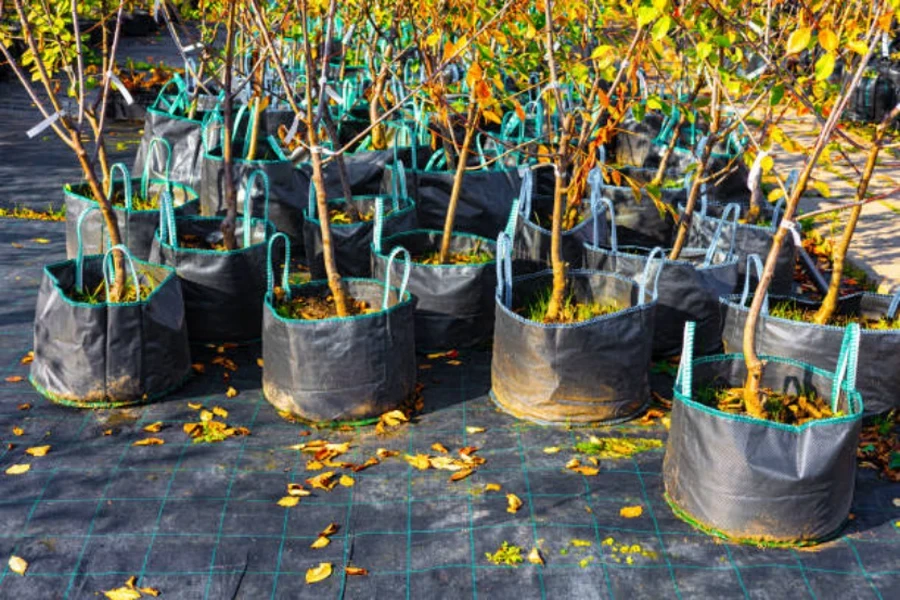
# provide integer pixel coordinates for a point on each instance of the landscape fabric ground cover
(202, 520)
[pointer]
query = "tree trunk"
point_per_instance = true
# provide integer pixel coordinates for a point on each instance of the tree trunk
(684, 223)
(458, 181)
(229, 224)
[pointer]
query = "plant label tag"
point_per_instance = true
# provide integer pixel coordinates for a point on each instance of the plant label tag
(40, 127)
(129, 99)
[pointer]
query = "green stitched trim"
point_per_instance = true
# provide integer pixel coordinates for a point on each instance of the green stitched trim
(270, 230)
(324, 282)
(190, 193)
(385, 242)
(100, 404)
(759, 543)
(104, 305)
(292, 418)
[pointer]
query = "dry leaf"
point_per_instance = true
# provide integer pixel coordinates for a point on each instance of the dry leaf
(314, 465)
(631, 512)
(419, 461)
(194, 405)
(534, 557)
(259, 363)
(460, 475)
(589, 471)
(355, 571)
(149, 591)
(154, 427)
(38, 450)
(573, 464)
(24, 406)
(454, 363)
(551, 450)
(220, 412)
(439, 447)
(107, 432)
(198, 368)
(18, 469)
(17, 431)
(371, 462)
(330, 530)
(471, 429)
(41, 241)
(289, 501)
(445, 463)
(122, 593)
(492, 487)
(324, 481)
(315, 574)
(18, 565)
(295, 489)
(231, 392)
(151, 441)
(382, 453)
(346, 481)
(514, 503)
(320, 542)
(28, 358)
(390, 419)
(14, 379)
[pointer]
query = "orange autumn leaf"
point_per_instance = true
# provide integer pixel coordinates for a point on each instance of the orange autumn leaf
(631, 512)
(355, 571)
(150, 441)
(14, 379)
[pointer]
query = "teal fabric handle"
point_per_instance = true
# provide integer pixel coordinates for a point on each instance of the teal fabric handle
(753, 261)
(126, 184)
(684, 379)
(145, 176)
(248, 205)
(79, 256)
(270, 269)
(504, 269)
(107, 282)
(387, 276)
(845, 373)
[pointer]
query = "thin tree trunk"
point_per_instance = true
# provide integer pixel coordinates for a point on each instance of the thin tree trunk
(458, 180)
(684, 223)
(229, 224)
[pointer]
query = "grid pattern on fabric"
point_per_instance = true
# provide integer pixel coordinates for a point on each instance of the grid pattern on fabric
(201, 520)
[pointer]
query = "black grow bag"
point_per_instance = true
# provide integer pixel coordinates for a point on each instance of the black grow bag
(306, 362)
(757, 481)
(587, 372)
(108, 355)
(352, 242)
(688, 289)
(454, 303)
(135, 226)
(819, 345)
(223, 290)
(532, 242)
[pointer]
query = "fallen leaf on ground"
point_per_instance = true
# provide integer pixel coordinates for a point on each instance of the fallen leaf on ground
(28, 358)
(472, 429)
(460, 475)
(18, 469)
(289, 501)
(419, 461)
(355, 571)
(330, 530)
(231, 392)
(40, 241)
(370, 462)
(18, 565)
(194, 405)
(580, 543)
(513, 503)
(220, 412)
(576, 466)
(324, 481)
(492, 487)
(107, 432)
(552, 449)
(38, 450)
(260, 363)
(651, 415)
(534, 557)
(151, 441)
(383, 453)
(295, 489)
(122, 593)
(314, 465)
(14, 379)
(390, 419)
(320, 542)
(439, 447)
(346, 481)
(154, 427)
(24, 406)
(444, 463)
(631, 512)
(17, 431)
(454, 363)
(198, 368)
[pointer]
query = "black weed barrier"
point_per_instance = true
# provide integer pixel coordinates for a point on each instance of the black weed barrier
(136, 224)
(103, 354)
(688, 289)
(223, 289)
(820, 345)
(756, 481)
(587, 372)
(340, 369)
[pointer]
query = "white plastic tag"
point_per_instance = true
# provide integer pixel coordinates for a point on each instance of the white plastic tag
(129, 99)
(40, 127)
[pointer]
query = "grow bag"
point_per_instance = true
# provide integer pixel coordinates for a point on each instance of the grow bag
(223, 290)
(748, 239)
(135, 226)
(306, 362)
(108, 355)
(453, 302)
(758, 481)
(819, 345)
(532, 242)
(874, 97)
(587, 372)
(688, 289)
(353, 241)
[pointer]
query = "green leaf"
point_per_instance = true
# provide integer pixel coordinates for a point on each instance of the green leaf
(638, 110)
(646, 14)
(799, 40)
(777, 95)
(825, 66)
(661, 28)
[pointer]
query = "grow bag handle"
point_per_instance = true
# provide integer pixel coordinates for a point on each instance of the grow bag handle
(645, 275)
(179, 83)
(413, 142)
(129, 260)
(595, 179)
(398, 183)
(714, 243)
(504, 269)
(387, 276)
(526, 192)
(753, 261)
(845, 373)
(167, 220)
(776, 213)
(79, 256)
(685, 376)
(126, 183)
(378, 227)
(895, 304)
(438, 159)
(248, 205)
(270, 271)
(145, 176)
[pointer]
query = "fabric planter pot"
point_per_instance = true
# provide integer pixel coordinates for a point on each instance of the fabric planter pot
(453, 302)
(353, 241)
(108, 355)
(588, 372)
(688, 289)
(819, 345)
(136, 226)
(756, 481)
(306, 362)
(223, 290)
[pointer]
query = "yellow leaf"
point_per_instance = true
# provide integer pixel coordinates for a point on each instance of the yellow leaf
(460, 475)
(767, 163)
(384, 453)
(534, 557)
(475, 430)
(38, 450)
(122, 593)
(828, 40)
(18, 469)
(492, 487)
(822, 188)
(18, 431)
(194, 405)
(419, 461)
(28, 358)
(325, 481)
(289, 501)
(149, 591)
(346, 481)
(220, 412)
(320, 542)
(631, 512)
(330, 530)
(231, 392)
(295, 489)
(439, 447)
(775, 194)
(798, 40)
(493, 117)
(206, 416)
(513, 503)
(551, 450)
(150, 441)
(858, 46)
(154, 427)
(41, 241)
(18, 565)
(580, 543)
